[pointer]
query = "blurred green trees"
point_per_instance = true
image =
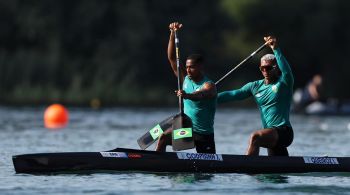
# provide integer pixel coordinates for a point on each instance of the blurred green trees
(115, 51)
(314, 35)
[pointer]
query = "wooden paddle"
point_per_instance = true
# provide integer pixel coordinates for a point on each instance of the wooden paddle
(153, 134)
(182, 137)
(246, 59)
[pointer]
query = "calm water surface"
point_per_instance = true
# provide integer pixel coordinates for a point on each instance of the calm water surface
(22, 131)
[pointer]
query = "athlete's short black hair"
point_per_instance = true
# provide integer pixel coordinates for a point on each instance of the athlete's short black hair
(196, 58)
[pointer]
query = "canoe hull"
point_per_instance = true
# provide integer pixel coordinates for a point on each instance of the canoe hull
(149, 161)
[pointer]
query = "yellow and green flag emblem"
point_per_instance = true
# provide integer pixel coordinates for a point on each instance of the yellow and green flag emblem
(182, 133)
(156, 131)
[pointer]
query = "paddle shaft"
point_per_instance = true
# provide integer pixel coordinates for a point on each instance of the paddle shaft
(246, 59)
(178, 71)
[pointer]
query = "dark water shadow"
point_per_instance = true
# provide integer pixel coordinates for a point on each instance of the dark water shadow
(176, 177)
(283, 179)
(187, 177)
(272, 178)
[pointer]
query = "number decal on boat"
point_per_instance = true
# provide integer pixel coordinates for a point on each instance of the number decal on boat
(321, 160)
(114, 154)
(199, 156)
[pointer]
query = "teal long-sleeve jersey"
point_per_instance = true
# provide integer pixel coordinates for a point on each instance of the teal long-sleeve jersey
(273, 100)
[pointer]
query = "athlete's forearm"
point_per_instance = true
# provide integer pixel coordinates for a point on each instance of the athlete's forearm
(283, 65)
(226, 96)
(200, 95)
(233, 95)
(171, 52)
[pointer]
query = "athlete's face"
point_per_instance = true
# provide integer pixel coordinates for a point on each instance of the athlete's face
(194, 71)
(269, 69)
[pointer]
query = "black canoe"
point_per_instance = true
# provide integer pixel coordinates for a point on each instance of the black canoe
(121, 159)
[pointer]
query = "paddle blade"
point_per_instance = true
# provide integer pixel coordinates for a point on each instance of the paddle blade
(153, 134)
(182, 137)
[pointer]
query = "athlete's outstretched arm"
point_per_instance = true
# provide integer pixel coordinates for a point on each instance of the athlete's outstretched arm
(208, 91)
(234, 95)
(282, 63)
(171, 49)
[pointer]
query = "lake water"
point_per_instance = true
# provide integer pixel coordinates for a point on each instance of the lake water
(22, 131)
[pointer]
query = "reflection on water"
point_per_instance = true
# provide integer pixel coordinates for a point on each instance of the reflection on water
(186, 178)
(272, 178)
(190, 177)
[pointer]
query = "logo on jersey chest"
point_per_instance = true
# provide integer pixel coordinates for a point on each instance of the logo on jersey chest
(185, 86)
(274, 88)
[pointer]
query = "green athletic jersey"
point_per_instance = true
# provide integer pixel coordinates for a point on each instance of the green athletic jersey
(201, 112)
(273, 100)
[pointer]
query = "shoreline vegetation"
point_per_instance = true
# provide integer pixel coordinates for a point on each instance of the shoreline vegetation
(76, 98)
(114, 52)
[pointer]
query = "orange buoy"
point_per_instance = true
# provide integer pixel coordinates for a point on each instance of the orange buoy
(55, 116)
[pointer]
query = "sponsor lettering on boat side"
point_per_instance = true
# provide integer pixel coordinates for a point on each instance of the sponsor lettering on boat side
(134, 155)
(199, 156)
(114, 154)
(321, 160)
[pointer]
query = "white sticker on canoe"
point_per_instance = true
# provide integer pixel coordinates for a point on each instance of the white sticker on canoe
(114, 154)
(321, 160)
(199, 156)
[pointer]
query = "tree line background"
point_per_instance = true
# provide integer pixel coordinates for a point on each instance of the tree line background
(114, 51)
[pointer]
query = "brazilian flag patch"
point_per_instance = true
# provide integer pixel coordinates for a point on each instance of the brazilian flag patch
(156, 131)
(182, 133)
